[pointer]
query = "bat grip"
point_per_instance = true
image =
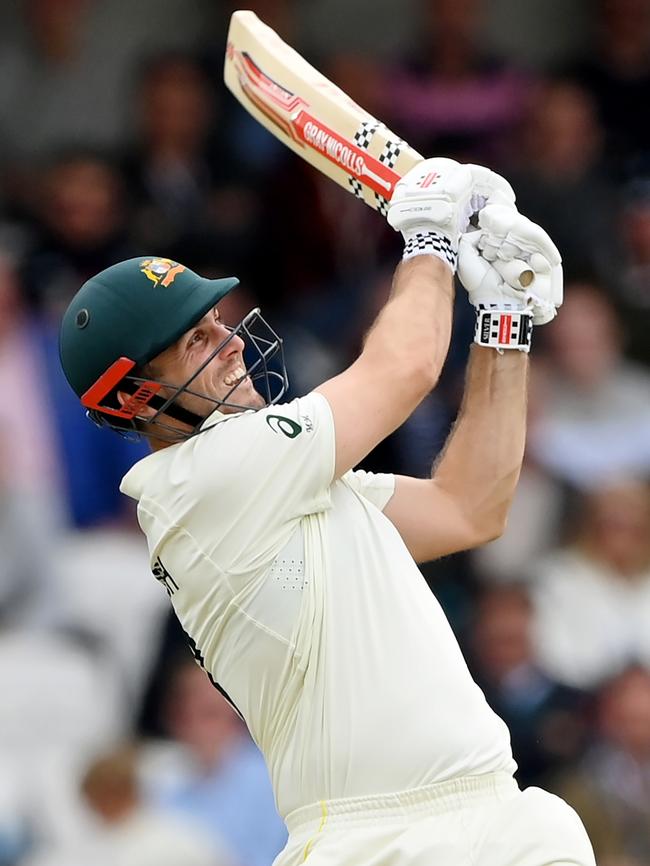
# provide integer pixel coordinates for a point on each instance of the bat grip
(517, 273)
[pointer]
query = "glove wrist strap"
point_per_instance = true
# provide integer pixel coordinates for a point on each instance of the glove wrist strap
(429, 243)
(504, 329)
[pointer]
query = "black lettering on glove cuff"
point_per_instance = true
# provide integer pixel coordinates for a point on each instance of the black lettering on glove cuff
(504, 329)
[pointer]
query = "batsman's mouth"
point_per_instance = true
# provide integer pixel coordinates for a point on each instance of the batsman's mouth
(235, 376)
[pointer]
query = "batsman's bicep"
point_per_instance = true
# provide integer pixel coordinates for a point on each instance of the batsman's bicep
(430, 521)
(366, 407)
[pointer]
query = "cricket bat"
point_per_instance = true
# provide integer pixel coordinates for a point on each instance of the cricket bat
(311, 115)
(317, 120)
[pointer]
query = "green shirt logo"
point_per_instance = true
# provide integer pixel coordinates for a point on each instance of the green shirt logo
(280, 424)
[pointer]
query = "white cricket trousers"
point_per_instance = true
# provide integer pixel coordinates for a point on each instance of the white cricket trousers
(472, 821)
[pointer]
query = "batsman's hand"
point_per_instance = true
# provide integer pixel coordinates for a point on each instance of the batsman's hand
(440, 196)
(510, 263)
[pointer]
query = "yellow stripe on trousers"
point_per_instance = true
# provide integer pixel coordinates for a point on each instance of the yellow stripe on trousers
(323, 819)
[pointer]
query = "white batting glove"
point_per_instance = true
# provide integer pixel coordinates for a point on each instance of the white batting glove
(510, 266)
(433, 203)
(489, 187)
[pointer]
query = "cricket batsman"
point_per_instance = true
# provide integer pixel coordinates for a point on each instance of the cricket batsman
(294, 575)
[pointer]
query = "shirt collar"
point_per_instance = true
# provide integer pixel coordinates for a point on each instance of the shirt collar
(217, 417)
(135, 480)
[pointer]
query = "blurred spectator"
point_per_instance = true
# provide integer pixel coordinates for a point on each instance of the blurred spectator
(65, 698)
(617, 74)
(15, 839)
(546, 719)
(65, 67)
(557, 173)
(634, 279)
(213, 773)
(592, 596)
(258, 151)
(186, 185)
(28, 597)
(318, 248)
(595, 424)
(106, 592)
(448, 97)
(540, 34)
(81, 228)
(636, 231)
(28, 448)
(62, 704)
(30, 482)
(121, 831)
(611, 787)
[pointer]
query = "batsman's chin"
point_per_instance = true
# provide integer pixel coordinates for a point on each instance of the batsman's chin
(241, 398)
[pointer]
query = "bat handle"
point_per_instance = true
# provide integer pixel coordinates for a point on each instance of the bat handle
(517, 273)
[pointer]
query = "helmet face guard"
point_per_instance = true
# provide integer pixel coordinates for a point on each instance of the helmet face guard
(261, 345)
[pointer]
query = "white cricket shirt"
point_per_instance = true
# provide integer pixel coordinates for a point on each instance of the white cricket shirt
(305, 607)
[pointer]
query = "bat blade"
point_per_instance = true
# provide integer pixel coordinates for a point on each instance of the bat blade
(311, 115)
(317, 120)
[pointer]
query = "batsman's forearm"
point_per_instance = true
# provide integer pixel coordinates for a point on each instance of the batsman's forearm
(482, 459)
(410, 338)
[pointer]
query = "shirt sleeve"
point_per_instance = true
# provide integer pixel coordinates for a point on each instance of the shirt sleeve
(376, 487)
(256, 475)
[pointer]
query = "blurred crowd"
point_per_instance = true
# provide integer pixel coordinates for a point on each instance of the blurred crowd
(118, 139)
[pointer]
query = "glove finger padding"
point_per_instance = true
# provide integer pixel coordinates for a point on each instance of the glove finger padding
(541, 265)
(546, 292)
(490, 187)
(485, 285)
(501, 224)
(496, 221)
(507, 244)
(529, 236)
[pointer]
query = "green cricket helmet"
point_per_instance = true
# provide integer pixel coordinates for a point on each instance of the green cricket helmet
(125, 316)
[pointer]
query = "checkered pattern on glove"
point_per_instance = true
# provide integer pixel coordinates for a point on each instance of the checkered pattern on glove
(439, 196)
(424, 243)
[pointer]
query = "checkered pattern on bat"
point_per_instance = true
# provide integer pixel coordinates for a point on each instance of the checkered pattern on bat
(364, 135)
(391, 151)
(422, 243)
(355, 186)
(381, 204)
(389, 154)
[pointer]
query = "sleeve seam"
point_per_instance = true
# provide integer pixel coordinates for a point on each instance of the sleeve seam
(264, 628)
